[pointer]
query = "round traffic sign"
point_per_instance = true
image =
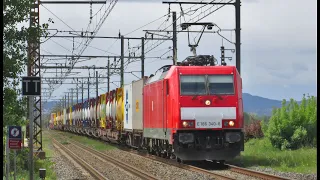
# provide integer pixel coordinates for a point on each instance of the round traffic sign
(14, 132)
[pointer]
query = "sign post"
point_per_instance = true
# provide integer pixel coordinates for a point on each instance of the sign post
(14, 141)
(15, 164)
(8, 158)
(31, 86)
(15, 137)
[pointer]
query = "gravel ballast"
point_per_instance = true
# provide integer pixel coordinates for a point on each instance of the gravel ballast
(289, 175)
(165, 171)
(66, 169)
(109, 170)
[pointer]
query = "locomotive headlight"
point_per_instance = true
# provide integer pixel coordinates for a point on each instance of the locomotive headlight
(231, 123)
(208, 102)
(185, 124)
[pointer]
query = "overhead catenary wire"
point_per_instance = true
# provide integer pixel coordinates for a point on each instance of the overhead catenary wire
(91, 46)
(155, 44)
(58, 17)
(94, 33)
(148, 50)
(137, 29)
(161, 42)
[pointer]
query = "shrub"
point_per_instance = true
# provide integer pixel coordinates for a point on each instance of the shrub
(253, 130)
(293, 126)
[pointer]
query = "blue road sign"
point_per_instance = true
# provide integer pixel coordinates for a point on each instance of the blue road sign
(15, 132)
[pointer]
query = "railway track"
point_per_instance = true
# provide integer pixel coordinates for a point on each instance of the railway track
(254, 173)
(182, 166)
(126, 167)
(236, 169)
(232, 168)
(92, 171)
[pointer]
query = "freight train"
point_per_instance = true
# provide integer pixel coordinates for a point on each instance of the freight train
(186, 112)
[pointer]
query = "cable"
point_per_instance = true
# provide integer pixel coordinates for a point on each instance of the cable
(137, 29)
(90, 46)
(57, 17)
(105, 15)
(196, 21)
(61, 45)
(151, 48)
(147, 51)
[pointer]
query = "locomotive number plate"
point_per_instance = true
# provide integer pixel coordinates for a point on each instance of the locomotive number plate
(209, 124)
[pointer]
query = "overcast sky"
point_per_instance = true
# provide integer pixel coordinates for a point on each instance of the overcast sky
(278, 50)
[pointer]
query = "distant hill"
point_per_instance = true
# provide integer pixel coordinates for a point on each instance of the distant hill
(259, 105)
(252, 104)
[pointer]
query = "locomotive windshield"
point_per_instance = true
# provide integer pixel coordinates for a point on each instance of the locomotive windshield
(193, 85)
(220, 84)
(206, 84)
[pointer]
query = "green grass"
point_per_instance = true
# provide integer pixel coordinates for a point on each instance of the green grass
(100, 146)
(46, 163)
(259, 152)
(46, 141)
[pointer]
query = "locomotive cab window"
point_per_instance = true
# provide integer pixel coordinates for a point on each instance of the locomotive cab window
(192, 85)
(221, 84)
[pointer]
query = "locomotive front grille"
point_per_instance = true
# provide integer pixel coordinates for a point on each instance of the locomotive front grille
(233, 137)
(186, 138)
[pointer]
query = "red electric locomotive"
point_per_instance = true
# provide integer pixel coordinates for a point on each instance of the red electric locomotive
(195, 112)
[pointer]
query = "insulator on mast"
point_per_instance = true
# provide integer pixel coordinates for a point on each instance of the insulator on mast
(223, 62)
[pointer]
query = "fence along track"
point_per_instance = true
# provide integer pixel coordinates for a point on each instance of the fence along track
(94, 173)
(132, 170)
(254, 173)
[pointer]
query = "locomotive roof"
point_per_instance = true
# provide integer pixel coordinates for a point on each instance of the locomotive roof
(166, 71)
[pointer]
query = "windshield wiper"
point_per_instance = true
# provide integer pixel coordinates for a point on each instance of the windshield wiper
(194, 97)
(218, 95)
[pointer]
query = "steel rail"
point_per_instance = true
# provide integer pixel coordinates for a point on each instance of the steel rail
(132, 170)
(253, 173)
(165, 161)
(94, 173)
(178, 165)
(232, 168)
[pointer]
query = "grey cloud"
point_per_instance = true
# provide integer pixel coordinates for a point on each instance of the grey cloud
(307, 51)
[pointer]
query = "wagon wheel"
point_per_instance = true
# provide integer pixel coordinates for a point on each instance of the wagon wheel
(179, 160)
(158, 153)
(151, 151)
(128, 140)
(164, 154)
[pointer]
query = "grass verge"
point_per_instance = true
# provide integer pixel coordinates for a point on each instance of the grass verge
(100, 146)
(259, 152)
(46, 163)
(22, 162)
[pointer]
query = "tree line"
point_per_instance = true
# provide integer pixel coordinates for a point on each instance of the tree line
(15, 45)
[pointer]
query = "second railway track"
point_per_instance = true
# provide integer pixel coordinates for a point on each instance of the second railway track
(128, 168)
(91, 170)
(236, 169)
